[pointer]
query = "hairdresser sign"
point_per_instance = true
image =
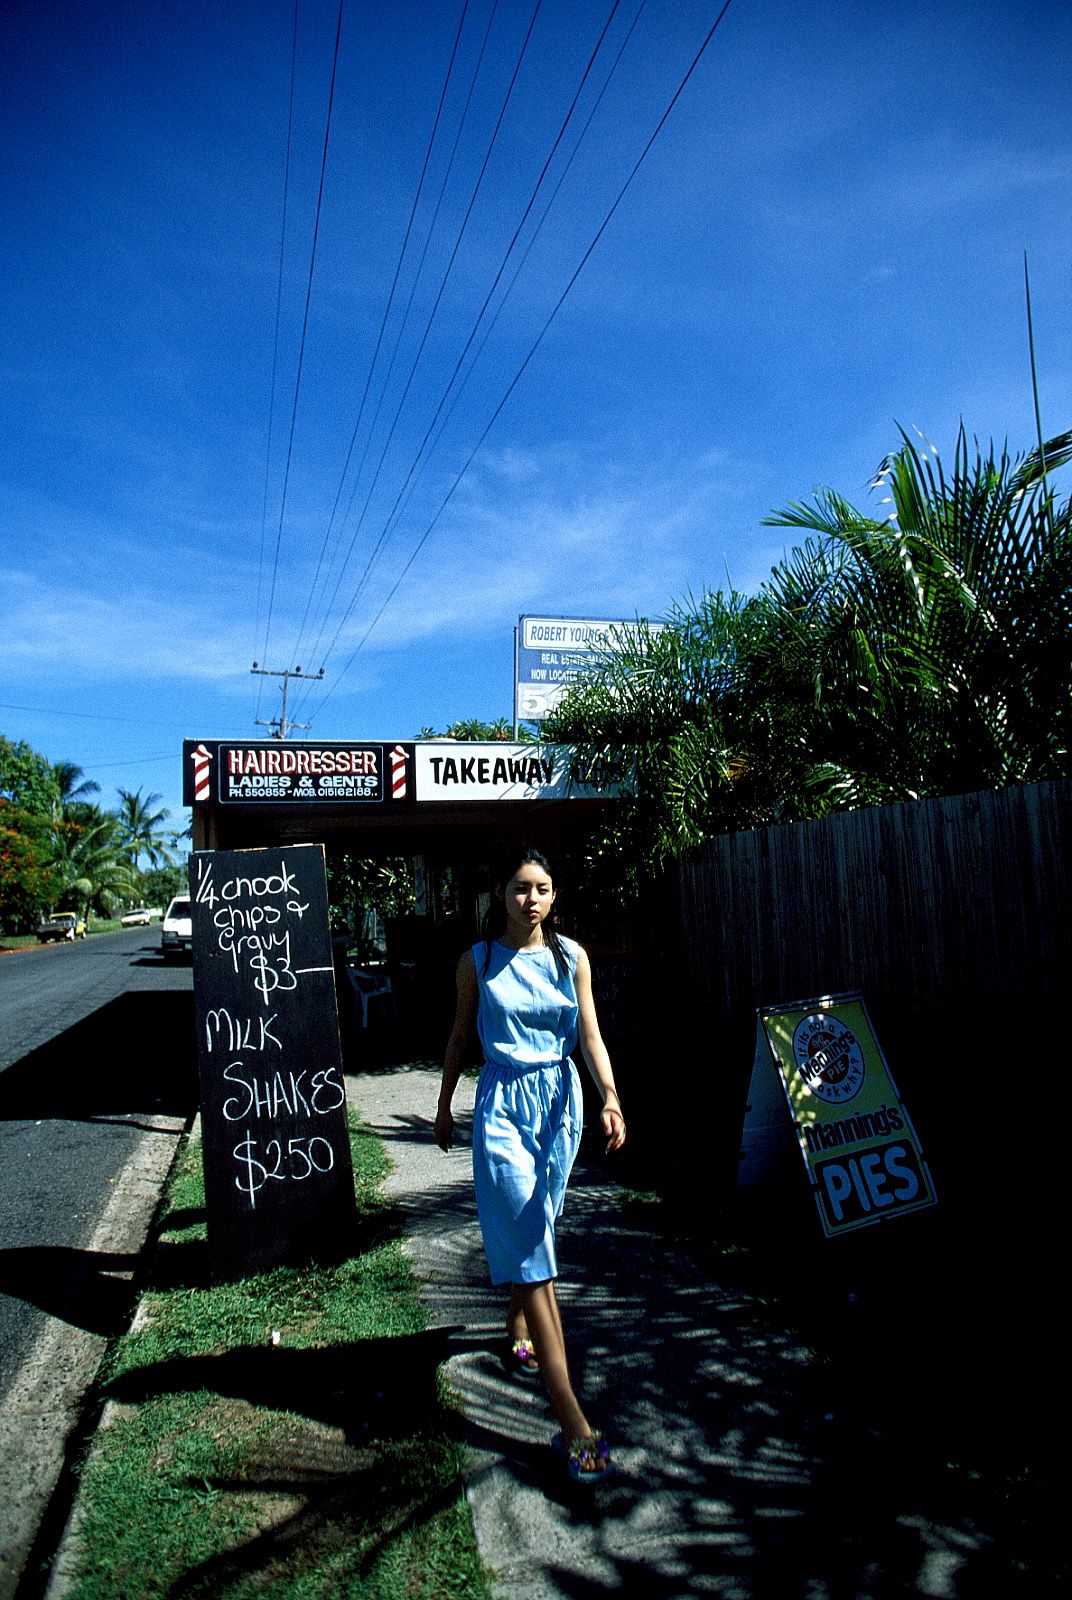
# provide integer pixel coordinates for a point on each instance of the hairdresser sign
(861, 1151)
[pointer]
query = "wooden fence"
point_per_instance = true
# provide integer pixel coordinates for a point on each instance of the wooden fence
(952, 917)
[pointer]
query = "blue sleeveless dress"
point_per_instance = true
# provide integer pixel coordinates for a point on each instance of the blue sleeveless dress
(528, 1114)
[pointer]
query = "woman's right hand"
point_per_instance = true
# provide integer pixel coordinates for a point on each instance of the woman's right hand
(444, 1128)
(459, 1047)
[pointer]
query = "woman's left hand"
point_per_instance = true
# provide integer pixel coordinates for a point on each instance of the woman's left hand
(613, 1127)
(444, 1129)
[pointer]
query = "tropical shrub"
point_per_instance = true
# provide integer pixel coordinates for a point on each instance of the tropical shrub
(926, 650)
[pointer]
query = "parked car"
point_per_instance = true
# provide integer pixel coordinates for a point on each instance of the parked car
(177, 929)
(141, 917)
(61, 925)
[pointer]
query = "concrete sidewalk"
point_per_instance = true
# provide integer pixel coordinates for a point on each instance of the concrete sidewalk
(734, 1477)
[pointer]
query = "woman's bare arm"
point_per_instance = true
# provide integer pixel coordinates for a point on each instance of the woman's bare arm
(459, 1047)
(595, 1054)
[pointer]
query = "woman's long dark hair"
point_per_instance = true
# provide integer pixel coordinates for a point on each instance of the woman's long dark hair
(494, 924)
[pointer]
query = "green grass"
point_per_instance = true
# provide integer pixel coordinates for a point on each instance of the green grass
(285, 1435)
(30, 941)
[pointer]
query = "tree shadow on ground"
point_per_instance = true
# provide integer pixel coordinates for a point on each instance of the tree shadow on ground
(387, 1048)
(748, 1462)
(188, 1263)
(750, 1465)
(369, 1388)
(78, 1287)
(134, 1056)
(330, 1476)
(347, 1517)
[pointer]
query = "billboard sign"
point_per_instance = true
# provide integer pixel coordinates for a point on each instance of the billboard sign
(862, 1155)
(553, 651)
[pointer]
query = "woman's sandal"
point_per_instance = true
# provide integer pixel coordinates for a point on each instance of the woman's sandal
(587, 1460)
(523, 1359)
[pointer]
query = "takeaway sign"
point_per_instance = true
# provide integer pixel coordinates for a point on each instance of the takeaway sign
(859, 1146)
(465, 771)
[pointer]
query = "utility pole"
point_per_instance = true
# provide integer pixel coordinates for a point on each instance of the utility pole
(280, 724)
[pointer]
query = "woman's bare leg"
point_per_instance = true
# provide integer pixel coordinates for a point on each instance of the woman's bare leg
(517, 1325)
(540, 1307)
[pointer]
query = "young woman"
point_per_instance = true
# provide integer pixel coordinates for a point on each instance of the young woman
(526, 992)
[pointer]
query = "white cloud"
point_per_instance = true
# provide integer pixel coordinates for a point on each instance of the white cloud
(952, 175)
(78, 636)
(907, 187)
(555, 533)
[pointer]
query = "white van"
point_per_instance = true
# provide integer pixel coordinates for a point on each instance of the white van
(177, 929)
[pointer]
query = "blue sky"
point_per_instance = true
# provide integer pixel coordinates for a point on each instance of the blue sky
(826, 239)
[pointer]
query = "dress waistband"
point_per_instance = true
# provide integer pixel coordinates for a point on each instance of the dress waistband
(518, 1069)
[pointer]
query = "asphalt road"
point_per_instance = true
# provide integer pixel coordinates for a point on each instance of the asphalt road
(96, 1040)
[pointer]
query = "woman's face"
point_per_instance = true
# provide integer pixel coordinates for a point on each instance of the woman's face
(528, 897)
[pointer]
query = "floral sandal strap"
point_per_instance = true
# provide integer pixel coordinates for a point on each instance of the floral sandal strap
(589, 1458)
(524, 1356)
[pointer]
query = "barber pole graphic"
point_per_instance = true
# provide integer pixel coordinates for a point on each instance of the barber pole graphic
(202, 761)
(398, 773)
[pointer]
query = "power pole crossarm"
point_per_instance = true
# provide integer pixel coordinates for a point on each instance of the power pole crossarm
(280, 724)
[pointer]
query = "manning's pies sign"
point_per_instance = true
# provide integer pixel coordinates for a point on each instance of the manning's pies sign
(274, 772)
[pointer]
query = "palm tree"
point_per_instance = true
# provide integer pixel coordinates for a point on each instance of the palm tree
(931, 651)
(72, 785)
(90, 859)
(924, 651)
(142, 827)
(663, 711)
(472, 728)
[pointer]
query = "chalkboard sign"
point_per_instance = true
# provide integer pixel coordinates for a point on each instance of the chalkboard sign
(278, 1176)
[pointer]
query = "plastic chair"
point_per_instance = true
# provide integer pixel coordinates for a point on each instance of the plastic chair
(370, 986)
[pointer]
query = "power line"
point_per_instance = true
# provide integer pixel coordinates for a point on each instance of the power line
(435, 306)
(535, 345)
(394, 511)
(304, 695)
(91, 716)
(305, 326)
(383, 325)
(526, 252)
(141, 761)
(385, 385)
(394, 352)
(275, 341)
